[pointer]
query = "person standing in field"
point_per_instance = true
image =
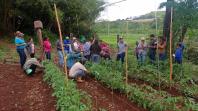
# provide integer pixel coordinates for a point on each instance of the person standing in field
(60, 54)
(20, 47)
(162, 49)
(121, 50)
(95, 51)
(105, 50)
(136, 50)
(142, 49)
(152, 48)
(86, 49)
(30, 47)
(67, 45)
(47, 48)
(178, 53)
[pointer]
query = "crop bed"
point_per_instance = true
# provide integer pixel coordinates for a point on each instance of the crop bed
(104, 98)
(110, 74)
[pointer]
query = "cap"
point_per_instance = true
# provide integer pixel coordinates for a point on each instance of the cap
(74, 38)
(67, 37)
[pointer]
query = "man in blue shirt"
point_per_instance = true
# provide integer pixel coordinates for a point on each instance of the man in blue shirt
(178, 54)
(67, 45)
(20, 47)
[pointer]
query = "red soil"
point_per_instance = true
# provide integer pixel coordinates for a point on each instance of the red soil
(103, 98)
(19, 92)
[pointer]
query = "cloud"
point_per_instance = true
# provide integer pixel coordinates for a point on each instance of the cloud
(129, 8)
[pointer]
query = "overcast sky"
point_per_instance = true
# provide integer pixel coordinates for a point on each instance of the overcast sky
(129, 8)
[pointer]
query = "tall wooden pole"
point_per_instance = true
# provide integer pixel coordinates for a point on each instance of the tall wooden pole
(171, 37)
(61, 42)
(126, 65)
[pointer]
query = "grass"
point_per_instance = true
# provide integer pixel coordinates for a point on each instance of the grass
(130, 39)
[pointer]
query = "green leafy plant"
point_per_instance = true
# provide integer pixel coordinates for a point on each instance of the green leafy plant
(68, 97)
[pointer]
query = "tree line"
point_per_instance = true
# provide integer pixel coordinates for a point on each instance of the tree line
(76, 16)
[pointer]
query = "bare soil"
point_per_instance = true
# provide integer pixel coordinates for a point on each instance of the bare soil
(104, 98)
(19, 92)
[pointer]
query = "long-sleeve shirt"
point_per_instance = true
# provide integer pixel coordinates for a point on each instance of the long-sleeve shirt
(30, 62)
(75, 68)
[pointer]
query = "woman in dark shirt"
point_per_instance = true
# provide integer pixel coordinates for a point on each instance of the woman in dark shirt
(95, 52)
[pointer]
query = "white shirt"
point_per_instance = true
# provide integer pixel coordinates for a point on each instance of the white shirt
(76, 67)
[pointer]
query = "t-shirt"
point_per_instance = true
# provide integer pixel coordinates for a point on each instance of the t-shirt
(178, 53)
(30, 48)
(67, 45)
(86, 48)
(19, 41)
(142, 48)
(47, 46)
(75, 68)
(58, 45)
(121, 47)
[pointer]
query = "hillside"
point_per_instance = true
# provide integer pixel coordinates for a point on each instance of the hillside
(142, 24)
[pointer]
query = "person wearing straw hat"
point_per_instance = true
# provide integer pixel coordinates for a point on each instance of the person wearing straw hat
(121, 50)
(142, 47)
(20, 47)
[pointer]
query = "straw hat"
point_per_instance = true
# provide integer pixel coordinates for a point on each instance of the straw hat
(142, 38)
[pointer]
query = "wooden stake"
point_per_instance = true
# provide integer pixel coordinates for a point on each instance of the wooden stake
(171, 37)
(126, 66)
(61, 42)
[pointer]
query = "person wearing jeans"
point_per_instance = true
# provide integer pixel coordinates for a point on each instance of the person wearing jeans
(121, 50)
(142, 51)
(47, 48)
(60, 53)
(20, 47)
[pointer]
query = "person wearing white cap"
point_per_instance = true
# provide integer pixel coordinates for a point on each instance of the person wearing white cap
(20, 47)
(142, 48)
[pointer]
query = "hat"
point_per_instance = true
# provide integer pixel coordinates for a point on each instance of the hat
(142, 38)
(28, 71)
(20, 34)
(67, 37)
(74, 38)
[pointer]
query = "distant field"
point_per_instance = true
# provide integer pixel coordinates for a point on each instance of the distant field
(130, 39)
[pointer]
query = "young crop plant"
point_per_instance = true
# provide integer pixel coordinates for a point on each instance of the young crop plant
(143, 95)
(68, 97)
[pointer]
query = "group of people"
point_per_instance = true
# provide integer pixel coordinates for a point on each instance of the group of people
(77, 51)
(156, 47)
(26, 53)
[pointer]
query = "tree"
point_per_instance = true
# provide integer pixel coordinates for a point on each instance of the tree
(185, 13)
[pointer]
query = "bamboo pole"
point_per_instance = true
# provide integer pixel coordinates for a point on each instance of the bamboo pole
(61, 42)
(171, 37)
(126, 66)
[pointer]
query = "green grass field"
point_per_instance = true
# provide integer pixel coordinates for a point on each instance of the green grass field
(130, 39)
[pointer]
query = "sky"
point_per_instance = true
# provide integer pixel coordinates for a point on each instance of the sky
(129, 8)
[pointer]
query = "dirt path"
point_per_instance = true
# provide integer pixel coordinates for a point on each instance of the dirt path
(103, 98)
(19, 92)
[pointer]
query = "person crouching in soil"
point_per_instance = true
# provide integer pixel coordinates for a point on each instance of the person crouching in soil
(31, 65)
(78, 71)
